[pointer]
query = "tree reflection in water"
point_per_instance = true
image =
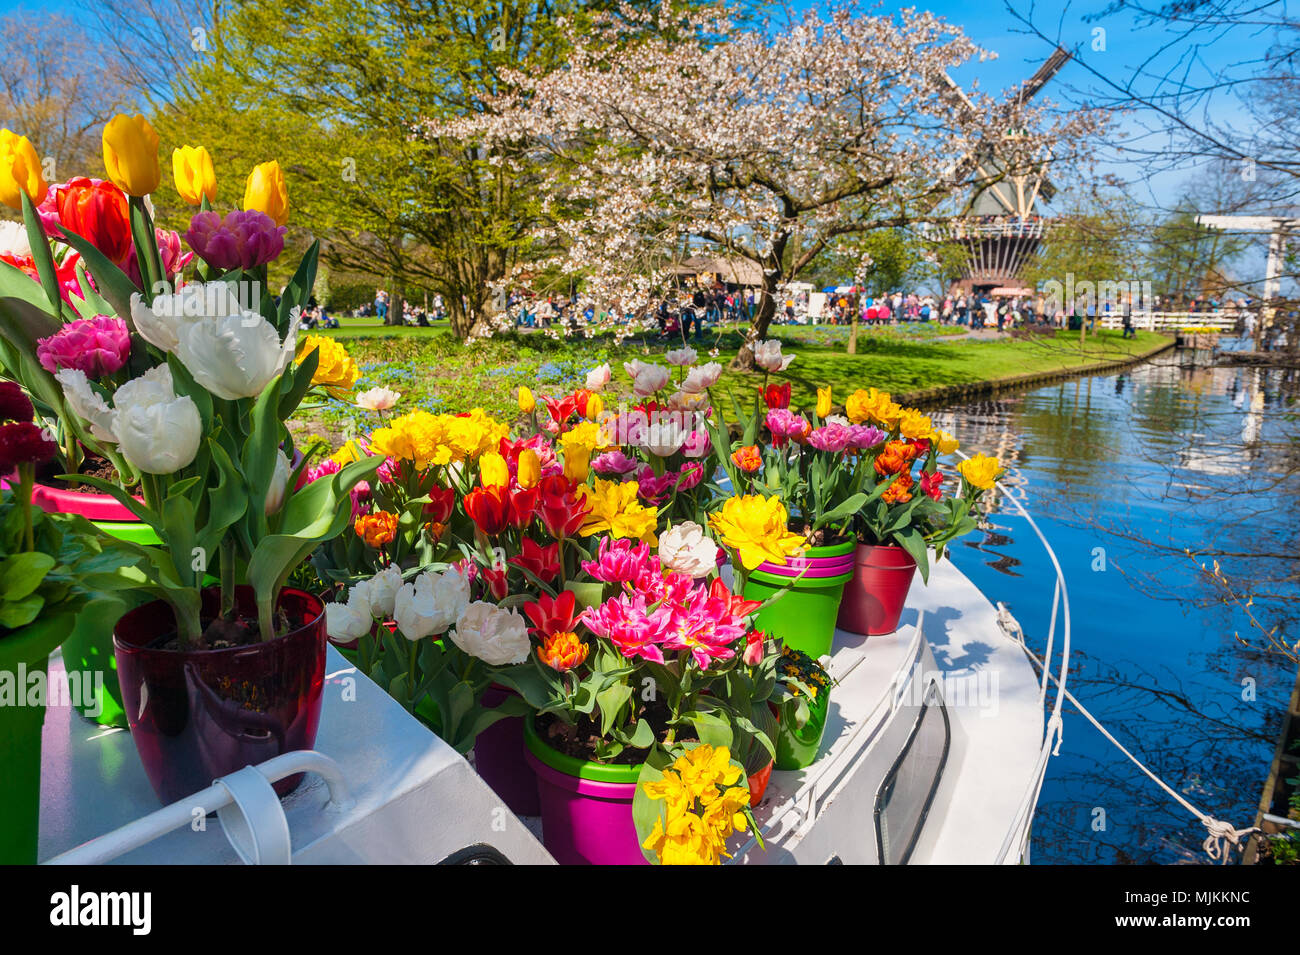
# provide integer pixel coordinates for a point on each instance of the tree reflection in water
(1139, 479)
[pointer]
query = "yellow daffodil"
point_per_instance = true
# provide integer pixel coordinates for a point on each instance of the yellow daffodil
(336, 372)
(980, 471)
(265, 190)
(823, 402)
(131, 154)
(615, 510)
(756, 526)
(194, 174)
(20, 171)
(704, 803)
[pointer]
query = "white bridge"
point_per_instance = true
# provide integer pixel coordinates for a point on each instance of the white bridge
(1222, 320)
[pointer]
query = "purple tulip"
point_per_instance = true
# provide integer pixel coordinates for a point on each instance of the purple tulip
(240, 241)
(97, 346)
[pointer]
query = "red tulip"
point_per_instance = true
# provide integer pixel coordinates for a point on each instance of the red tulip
(489, 509)
(738, 606)
(441, 502)
(97, 211)
(777, 396)
(523, 506)
(496, 581)
(930, 482)
(560, 508)
(543, 562)
(551, 614)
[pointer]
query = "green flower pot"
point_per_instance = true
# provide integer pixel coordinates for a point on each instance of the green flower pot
(22, 654)
(88, 650)
(804, 615)
(797, 747)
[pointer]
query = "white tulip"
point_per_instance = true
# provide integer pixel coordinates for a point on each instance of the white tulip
(279, 481)
(663, 437)
(352, 620)
(383, 590)
(235, 356)
(686, 549)
(159, 324)
(682, 356)
(599, 377)
(688, 401)
(702, 378)
(430, 604)
(495, 635)
(157, 431)
(13, 240)
(378, 398)
(646, 378)
(87, 403)
(767, 355)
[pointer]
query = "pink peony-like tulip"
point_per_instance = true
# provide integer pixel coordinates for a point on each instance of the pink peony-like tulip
(98, 346)
(242, 240)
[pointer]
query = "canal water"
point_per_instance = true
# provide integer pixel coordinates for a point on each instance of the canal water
(1124, 473)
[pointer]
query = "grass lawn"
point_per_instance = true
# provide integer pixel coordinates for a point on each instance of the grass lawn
(434, 371)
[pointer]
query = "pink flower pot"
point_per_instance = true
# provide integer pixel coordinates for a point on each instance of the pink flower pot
(199, 714)
(874, 597)
(585, 821)
(499, 758)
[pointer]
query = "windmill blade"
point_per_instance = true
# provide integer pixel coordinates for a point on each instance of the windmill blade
(1060, 56)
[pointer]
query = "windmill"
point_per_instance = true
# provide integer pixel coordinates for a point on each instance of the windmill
(1003, 220)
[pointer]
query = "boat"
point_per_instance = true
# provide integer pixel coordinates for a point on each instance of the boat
(937, 742)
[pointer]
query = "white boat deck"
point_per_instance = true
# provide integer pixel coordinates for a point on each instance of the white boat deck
(416, 801)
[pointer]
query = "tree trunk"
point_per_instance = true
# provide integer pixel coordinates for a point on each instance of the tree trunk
(396, 303)
(763, 315)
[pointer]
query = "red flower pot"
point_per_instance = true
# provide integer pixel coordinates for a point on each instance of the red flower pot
(874, 597)
(758, 784)
(499, 758)
(199, 714)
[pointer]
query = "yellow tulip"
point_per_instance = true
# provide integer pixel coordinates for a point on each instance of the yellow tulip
(946, 443)
(595, 405)
(530, 468)
(131, 154)
(980, 471)
(20, 171)
(492, 470)
(265, 191)
(823, 402)
(195, 177)
(577, 463)
(526, 400)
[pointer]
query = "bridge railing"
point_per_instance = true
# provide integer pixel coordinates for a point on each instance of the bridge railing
(1222, 321)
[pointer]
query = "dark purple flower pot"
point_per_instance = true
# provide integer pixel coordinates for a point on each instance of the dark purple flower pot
(196, 715)
(499, 758)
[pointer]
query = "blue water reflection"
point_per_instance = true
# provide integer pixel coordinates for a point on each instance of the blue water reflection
(1124, 473)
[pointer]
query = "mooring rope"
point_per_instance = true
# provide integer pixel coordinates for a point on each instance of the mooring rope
(1221, 834)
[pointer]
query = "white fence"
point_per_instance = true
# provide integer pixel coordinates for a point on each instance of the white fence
(1221, 321)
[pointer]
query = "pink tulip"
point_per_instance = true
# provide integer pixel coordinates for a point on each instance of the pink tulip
(98, 346)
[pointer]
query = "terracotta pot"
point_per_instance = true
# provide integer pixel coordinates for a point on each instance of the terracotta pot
(874, 597)
(758, 783)
(199, 714)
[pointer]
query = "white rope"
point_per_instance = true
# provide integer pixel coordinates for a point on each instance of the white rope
(1221, 834)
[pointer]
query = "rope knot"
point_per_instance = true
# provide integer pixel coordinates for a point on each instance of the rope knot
(1222, 835)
